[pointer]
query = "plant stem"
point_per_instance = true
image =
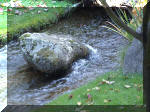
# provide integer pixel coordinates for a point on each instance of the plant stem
(119, 22)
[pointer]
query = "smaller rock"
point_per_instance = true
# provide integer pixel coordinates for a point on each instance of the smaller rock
(133, 61)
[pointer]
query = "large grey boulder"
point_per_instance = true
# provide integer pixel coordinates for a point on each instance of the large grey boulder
(51, 53)
(133, 61)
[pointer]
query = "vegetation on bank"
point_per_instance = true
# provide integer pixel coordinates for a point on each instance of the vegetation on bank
(112, 88)
(27, 15)
(3, 24)
(34, 20)
(136, 14)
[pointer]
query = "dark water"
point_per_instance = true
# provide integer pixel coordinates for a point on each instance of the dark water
(27, 87)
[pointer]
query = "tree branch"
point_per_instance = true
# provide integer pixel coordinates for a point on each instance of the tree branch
(118, 20)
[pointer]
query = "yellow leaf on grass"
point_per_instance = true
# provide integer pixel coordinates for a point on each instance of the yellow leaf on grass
(88, 90)
(96, 88)
(107, 100)
(127, 86)
(79, 103)
(108, 82)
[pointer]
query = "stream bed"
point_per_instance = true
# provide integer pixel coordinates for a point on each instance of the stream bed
(28, 87)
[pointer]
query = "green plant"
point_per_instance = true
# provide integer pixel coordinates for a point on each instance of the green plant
(119, 22)
(137, 15)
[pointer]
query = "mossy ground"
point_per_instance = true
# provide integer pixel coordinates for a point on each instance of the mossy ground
(30, 20)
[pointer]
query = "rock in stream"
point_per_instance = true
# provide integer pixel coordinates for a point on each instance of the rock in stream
(51, 53)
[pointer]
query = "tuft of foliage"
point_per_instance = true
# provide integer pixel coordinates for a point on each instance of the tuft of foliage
(137, 15)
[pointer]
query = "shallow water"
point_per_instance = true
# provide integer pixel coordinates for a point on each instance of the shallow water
(28, 87)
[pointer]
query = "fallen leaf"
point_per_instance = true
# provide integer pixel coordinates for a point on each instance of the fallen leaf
(79, 103)
(70, 96)
(107, 100)
(91, 103)
(111, 82)
(135, 85)
(88, 90)
(127, 86)
(140, 85)
(96, 88)
(101, 83)
(108, 82)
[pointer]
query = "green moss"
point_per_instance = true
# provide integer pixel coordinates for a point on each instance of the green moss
(46, 52)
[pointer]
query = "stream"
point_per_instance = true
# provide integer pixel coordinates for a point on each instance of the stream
(28, 87)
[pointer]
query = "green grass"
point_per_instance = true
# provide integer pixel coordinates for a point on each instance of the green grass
(3, 25)
(30, 20)
(115, 94)
(49, 3)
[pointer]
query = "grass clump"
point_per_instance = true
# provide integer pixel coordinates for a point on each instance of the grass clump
(134, 23)
(124, 90)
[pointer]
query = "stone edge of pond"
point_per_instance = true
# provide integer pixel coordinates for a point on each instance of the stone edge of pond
(15, 35)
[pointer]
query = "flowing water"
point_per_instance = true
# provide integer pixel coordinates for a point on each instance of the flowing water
(28, 87)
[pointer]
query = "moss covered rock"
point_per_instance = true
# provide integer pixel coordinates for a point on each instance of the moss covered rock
(51, 53)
